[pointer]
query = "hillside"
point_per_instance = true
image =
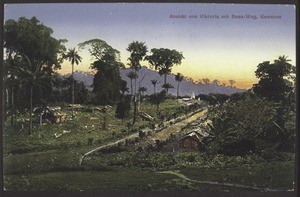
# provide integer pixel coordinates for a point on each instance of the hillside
(146, 75)
(186, 87)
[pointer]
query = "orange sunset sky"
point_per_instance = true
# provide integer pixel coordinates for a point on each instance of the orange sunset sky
(220, 41)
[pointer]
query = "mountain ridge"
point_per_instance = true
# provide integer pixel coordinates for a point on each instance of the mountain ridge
(186, 88)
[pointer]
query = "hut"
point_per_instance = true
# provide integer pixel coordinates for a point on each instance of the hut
(191, 141)
(51, 114)
(75, 107)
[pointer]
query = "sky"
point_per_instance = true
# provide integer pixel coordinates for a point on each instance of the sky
(228, 44)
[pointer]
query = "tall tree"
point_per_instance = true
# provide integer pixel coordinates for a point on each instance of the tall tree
(157, 99)
(33, 43)
(163, 60)
(107, 82)
(274, 79)
(73, 56)
(123, 108)
(178, 77)
(124, 87)
(142, 90)
(154, 82)
(167, 86)
(137, 52)
(12, 65)
(132, 76)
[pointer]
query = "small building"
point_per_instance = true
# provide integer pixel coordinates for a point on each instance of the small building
(191, 141)
(75, 107)
(51, 114)
(58, 117)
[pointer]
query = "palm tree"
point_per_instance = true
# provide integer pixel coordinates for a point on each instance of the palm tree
(74, 58)
(154, 82)
(142, 90)
(178, 78)
(137, 52)
(282, 59)
(131, 75)
(167, 86)
(32, 76)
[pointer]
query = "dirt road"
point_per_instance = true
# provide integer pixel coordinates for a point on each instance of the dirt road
(172, 129)
(162, 135)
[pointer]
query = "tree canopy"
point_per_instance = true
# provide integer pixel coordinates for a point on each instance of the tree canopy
(107, 83)
(163, 60)
(137, 52)
(275, 79)
(39, 54)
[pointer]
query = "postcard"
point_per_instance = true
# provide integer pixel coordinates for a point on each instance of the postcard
(149, 97)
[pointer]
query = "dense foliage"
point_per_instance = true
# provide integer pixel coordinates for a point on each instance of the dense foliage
(107, 83)
(32, 55)
(263, 121)
(62, 90)
(163, 60)
(275, 80)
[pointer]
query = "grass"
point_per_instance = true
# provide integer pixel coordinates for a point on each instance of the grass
(119, 180)
(278, 176)
(126, 171)
(43, 162)
(86, 125)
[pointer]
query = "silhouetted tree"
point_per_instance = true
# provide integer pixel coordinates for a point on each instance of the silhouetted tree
(157, 99)
(163, 60)
(73, 56)
(205, 80)
(137, 52)
(154, 82)
(107, 82)
(132, 76)
(32, 42)
(123, 108)
(142, 90)
(274, 79)
(231, 82)
(216, 82)
(179, 77)
(167, 86)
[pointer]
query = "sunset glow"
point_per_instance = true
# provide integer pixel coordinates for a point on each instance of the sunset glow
(218, 41)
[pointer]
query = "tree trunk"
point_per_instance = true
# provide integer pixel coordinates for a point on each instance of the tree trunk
(165, 78)
(12, 118)
(177, 89)
(30, 111)
(73, 91)
(134, 111)
(131, 88)
(154, 89)
(135, 83)
(6, 104)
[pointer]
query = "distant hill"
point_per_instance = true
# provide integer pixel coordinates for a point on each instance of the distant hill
(86, 78)
(186, 87)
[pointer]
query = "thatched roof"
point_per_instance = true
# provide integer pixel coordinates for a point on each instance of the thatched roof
(196, 135)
